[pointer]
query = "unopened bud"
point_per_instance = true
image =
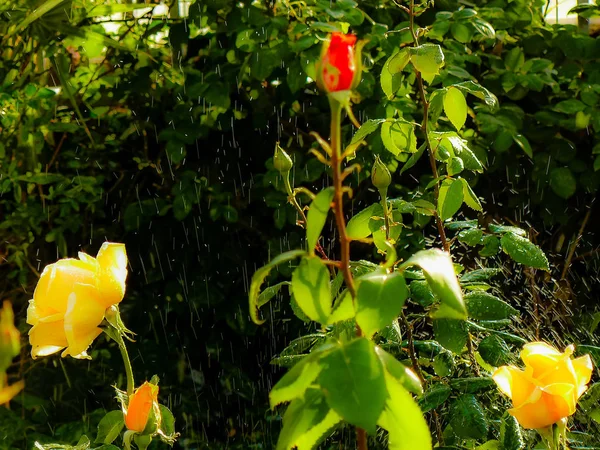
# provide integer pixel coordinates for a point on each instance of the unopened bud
(281, 160)
(380, 175)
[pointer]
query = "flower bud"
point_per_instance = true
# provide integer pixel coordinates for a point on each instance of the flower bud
(142, 414)
(380, 175)
(281, 160)
(10, 343)
(338, 69)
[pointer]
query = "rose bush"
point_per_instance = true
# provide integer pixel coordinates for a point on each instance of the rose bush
(71, 298)
(548, 389)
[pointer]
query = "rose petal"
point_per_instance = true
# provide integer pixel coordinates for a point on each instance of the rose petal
(514, 383)
(583, 368)
(84, 313)
(540, 357)
(47, 338)
(112, 259)
(56, 283)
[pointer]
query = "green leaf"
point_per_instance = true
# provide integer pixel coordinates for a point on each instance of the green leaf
(41, 178)
(524, 252)
(296, 381)
(391, 73)
(501, 229)
(342, 311)
(451, 334)
(400, 372)
(444, 364)
(434, 397)
(365, 129)
(317, 216)
(454, 166)
(260, 275)
(484, 27)
(110, 427)
(414, 158)
(37, 13)
(167, 423)
(310, 285)
(427, 59)
(462, 224)
(399, 137)
(480, 275)
(403, 420)
(471, 385)
(461, 32)
(570, 106)
(439, 271)
(470, 237)
(479, 92)
(379, 299)
(306, 422)
(494, 350)
(471, 200)
(270, 292)
(562, 182)
(455, 107)
(467, 418)
(358, 226)
(421, 293)
(522, 142)
(484, 306)
(450, 198)
(510, 434)
(353, 383)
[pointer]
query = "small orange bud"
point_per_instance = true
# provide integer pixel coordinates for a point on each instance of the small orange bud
(142, 403)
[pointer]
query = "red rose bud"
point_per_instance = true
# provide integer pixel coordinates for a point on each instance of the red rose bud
(337, 69)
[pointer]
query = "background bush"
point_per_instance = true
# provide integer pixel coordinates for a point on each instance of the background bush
(158, 133)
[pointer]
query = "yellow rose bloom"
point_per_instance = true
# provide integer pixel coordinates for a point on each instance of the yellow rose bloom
(71, 298)
(548, 389)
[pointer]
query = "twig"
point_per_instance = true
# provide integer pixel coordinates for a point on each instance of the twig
(574, 244)
(411, 348)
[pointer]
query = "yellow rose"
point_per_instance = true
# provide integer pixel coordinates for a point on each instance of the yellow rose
(548, 390)
(71, 298)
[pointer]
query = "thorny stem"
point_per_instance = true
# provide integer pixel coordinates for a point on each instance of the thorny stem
(386, 219)
(338, 209)
(436, 186)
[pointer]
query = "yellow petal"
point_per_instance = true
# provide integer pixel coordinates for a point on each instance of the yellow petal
(583, 368)
(545, 408)
(84, 313)
(561, 399)
(540, 357)
(514, 383)
(563, 372)
(9, 392)
(56, 283)
(112, 259)
(47, 338)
